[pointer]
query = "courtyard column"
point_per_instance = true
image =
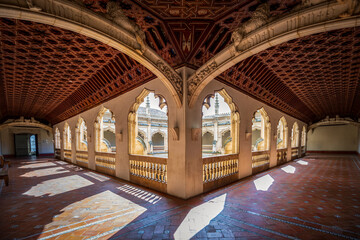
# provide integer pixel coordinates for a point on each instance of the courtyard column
(245, 157)
(73, 144)
(184, 166)
(273, 147)
(216, 138)
(62, 144)
(91, 139)
(288, 154)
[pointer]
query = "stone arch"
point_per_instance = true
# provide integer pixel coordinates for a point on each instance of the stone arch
(233, 146)
(74, 16)
(282, 134)
(263, 142)
(134, 147)
(101, 145)
(81, 135)
(67, 137)
(295, 135)
(298, 23)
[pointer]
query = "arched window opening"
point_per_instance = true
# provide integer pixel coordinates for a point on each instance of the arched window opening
(67, 143)
(260, 138)
(67, 137)
(260, 141)
(220, 140)
(148, 126)
(220, 125)
(148, 140)
(295, 135)
(105, 131)
(303, 140)
(81, 143)
(303, 136)
(281, 141)
(57, 139)
(295, 141)
(81, 135)
(282, 134)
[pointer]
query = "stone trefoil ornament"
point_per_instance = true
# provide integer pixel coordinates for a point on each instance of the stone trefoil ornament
(116, 14)
(259, 18)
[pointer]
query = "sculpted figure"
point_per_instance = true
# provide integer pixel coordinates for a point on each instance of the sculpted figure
(353, 7)
(116, 14)
(259, 18)
(32, 6)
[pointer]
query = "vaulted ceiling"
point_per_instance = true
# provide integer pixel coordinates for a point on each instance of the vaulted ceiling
(52, 74)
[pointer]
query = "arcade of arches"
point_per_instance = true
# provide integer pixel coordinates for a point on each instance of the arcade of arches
(182, 102)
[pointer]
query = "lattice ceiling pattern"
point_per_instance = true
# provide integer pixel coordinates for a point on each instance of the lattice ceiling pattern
(310, 77)
(190, 32)
(52, 74)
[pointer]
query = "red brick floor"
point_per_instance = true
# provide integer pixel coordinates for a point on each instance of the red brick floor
(50, 199)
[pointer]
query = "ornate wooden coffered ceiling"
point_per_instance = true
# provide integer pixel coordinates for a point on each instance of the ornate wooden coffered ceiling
(52, 74)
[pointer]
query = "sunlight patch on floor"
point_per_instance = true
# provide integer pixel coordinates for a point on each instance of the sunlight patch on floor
(141, 194)
(263, 183)
(289, 169)
(39, 165)
(199, 217)
(302, 162)
(45, 172)
(57, 186)
(105, 210)
(96, 176)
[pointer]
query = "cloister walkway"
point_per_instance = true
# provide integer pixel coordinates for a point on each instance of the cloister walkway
(316, 197)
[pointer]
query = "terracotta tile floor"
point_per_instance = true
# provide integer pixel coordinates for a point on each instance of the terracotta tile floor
(317, 197)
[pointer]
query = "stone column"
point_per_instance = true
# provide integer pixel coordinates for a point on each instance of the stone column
(91, 139)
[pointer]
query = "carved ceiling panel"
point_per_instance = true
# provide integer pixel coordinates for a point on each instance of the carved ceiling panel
(310, 77)
(51, 73)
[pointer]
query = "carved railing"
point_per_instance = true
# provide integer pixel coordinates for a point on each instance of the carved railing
(303, 150)
(294, 153)
(260, 158)
(219, 171)
(57, 153)
(260, 161)
(105, 162)
(67, 155)
(82, 158)
(149, 171)
(281, 156)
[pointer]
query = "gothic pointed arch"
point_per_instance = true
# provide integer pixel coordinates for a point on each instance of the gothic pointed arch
(295, 135)
(261, 128)
(57, 138)
(148, 117)
(105, 138)
(220, 115)
(81, 135)
(67, 137)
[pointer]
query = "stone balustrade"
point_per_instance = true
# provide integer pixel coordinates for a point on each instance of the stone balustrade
(82, 158)
(149, 171)
(67, 155)
(105, 162)
(219, 171)
(58, 153)
(294, 153)
(281, 156)
(260, 161)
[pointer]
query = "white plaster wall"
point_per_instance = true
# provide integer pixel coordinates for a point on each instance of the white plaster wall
(333, 138)
(45, 140)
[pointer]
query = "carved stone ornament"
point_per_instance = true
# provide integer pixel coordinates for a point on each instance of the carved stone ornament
(259, 18)
(352, 8)
(194, 82)
(116, 14)
(32, 6)
(175, 79)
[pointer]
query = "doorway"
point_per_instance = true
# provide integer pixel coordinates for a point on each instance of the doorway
(26, 144)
